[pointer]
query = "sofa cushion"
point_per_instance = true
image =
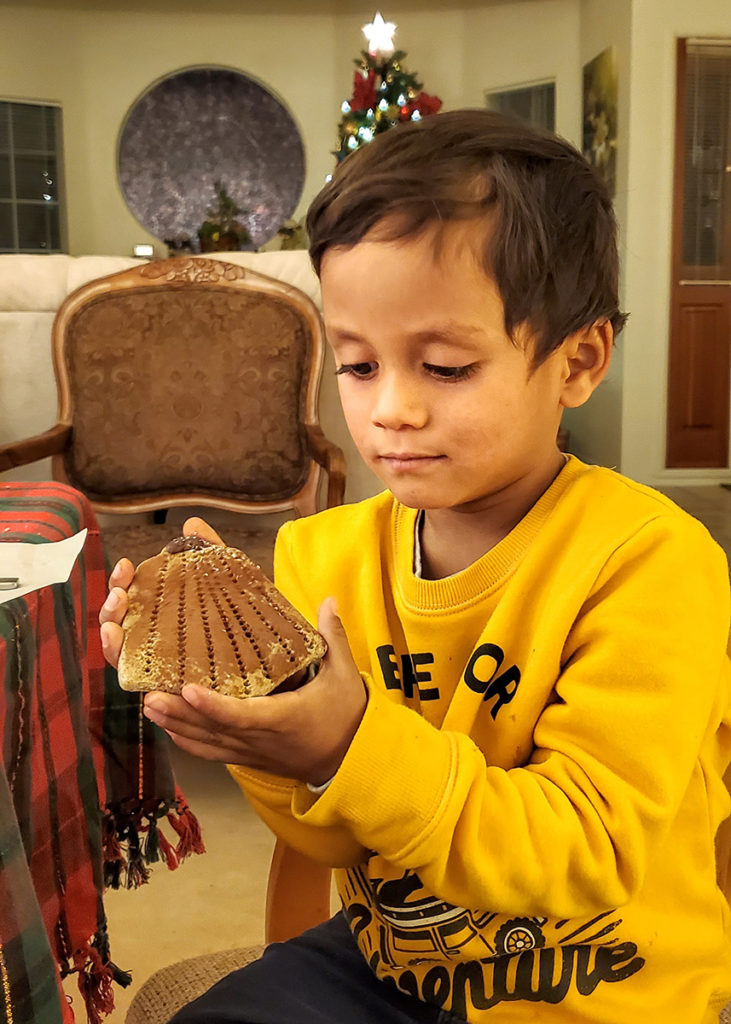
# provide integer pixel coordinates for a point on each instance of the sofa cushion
(83, 269)
(289, 265)
(33, 283)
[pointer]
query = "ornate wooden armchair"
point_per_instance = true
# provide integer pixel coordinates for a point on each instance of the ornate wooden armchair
(188, 382)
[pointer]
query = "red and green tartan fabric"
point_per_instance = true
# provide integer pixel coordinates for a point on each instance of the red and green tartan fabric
(86, 777)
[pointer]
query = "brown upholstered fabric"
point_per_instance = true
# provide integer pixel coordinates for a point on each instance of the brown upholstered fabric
(187, 389)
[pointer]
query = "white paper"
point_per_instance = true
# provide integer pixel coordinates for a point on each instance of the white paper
(37, 565)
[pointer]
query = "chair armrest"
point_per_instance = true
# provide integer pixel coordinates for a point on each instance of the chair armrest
(331, 458)
(31, 449)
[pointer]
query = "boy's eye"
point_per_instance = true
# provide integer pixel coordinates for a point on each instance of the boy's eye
(451, 372)
(356, 369)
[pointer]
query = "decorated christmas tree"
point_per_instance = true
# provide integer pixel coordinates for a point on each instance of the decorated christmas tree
(384, 92)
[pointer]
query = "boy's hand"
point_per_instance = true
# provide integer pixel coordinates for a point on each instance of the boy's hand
(302, 734)
(114, 608)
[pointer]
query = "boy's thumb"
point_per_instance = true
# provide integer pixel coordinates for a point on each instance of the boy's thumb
(329, 624)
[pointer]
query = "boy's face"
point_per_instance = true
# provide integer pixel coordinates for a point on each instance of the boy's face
(441, 404)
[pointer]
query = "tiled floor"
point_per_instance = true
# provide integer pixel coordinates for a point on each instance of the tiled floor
(211, 902)
(712, 505)
(216, 901)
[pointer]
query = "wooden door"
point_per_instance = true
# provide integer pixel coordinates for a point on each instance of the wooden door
(700, 318)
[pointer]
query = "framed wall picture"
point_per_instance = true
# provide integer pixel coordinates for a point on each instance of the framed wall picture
(599, 136)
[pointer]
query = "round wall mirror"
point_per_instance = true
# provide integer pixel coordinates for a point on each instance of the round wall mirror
(202, 129)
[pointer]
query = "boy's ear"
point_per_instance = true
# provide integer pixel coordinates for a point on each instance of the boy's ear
(587, 354)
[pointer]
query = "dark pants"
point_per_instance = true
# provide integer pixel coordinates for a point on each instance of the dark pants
(320, 977)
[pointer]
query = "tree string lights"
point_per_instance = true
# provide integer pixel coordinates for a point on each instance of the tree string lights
(384, 92)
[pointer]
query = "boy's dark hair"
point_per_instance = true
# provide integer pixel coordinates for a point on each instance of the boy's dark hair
(550, 238)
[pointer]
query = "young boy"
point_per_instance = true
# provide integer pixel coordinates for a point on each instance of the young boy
(514, 750)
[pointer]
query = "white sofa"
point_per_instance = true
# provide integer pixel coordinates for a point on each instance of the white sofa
(31, 290)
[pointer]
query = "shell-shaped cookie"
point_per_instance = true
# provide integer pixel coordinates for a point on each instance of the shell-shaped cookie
(207, 614)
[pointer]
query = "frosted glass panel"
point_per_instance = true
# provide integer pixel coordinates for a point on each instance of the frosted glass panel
(707, 190)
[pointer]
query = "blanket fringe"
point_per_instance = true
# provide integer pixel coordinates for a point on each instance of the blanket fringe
(114, 860)
(168, 852)
(133, 840)
(95, 983)
(185, 823)
(137, 870)
(97, 975)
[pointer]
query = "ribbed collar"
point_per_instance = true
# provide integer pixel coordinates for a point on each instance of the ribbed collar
(488, 572)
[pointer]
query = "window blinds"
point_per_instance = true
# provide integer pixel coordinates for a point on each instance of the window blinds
(30, 200)
(706, 242)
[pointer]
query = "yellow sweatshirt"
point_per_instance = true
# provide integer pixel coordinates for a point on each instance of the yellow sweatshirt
(524, 823)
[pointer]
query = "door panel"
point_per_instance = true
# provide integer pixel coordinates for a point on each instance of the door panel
(698, 406)
(700, 323)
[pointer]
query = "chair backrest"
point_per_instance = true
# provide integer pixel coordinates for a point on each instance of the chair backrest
(189, 381)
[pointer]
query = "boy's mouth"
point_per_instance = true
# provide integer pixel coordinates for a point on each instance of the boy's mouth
(408, 460)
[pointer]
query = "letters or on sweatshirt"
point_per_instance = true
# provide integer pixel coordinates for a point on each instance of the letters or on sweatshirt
(524, 823)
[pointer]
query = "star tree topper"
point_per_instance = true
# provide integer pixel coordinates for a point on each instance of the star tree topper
(379, 34)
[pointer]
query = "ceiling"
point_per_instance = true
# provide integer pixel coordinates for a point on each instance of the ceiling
(388, 7)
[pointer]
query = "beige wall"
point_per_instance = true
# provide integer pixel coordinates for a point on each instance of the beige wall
(96, 59)
(656, 24)
(100, 62)
(596, 428)
(509, 44)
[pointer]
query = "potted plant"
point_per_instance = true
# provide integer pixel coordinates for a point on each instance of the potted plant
(222, 232)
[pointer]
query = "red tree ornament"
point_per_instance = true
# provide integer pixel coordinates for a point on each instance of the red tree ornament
(364, 90)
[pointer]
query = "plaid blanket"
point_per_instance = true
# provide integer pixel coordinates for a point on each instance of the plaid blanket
(86, 781)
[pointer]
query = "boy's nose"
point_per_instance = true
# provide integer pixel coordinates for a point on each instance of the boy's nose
(398, 404)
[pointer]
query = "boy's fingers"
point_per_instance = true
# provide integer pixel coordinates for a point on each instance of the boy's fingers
(114, 608)
(122, 573)
(229, 712)
(200, 707)
(207, 751)
(111, 636)
(215, 721)
(202, 529)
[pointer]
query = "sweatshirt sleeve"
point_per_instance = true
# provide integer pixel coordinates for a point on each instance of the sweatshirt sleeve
(643, 689)
(272, 796)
